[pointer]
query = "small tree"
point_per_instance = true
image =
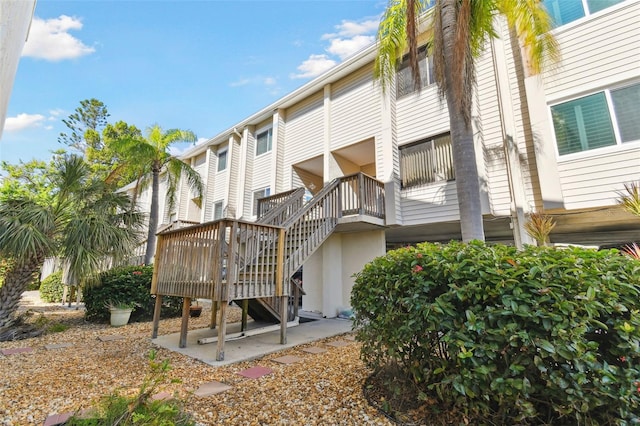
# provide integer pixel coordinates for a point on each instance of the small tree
(151, 156)
(84, 221)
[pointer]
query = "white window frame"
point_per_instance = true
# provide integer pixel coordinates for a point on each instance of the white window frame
(586, 12)
(218, 204)
(269, 131)
(614, 122)
(266, 191)
(223, 153)
(427, 76)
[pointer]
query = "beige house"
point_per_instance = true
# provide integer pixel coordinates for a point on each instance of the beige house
(564, 142)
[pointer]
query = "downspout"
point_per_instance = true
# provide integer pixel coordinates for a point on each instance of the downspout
(516, 186)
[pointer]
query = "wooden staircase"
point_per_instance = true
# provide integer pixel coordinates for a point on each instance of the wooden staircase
(252, 263)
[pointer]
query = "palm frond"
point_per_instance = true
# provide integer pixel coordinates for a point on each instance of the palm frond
(630, 198)
(532, 24)
(539, 227)
(632, 250)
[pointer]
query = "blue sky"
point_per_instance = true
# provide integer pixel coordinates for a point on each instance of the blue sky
(198, 65)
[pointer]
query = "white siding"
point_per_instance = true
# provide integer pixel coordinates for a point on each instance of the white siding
(597, 52)
(421, 115)
(355, 108)
(433, 203)
(596, 181)
(305, 130)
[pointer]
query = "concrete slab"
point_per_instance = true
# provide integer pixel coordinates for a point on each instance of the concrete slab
(314, 350)
(58, 346)
(255, 372)
(16, 351)
(252, 347)
(211, 388)
(287, 359)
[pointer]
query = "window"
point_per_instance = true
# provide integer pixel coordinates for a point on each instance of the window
(426, 162)
(404, 79)
(263, 142)
(261, 193)
(602, 119)
(217, 210)
(564, 11)
(222, 160)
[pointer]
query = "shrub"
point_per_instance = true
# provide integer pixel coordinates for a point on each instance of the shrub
(140, 408)
(128, 284)
(51, 288)
(540, 336)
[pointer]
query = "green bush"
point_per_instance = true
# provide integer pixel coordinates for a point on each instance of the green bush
(51, 288)
(140, 408)
(128, 284)
(539, 336)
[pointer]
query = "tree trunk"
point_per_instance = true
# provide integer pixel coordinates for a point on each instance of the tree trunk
(464, 154)
(153, 217)
(16, 281)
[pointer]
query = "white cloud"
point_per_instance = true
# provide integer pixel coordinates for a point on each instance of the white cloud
(23, 121)
(352, 28)
(344, 48)
(241, 82)
(314, 66)
(255, 81)
(349, 38)
(201, 140)
(50, 39)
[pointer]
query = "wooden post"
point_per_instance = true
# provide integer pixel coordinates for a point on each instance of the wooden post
(283, 319)
(222, 331)
(186, 302)
(156, 316)
(214, 312)
(245, 311)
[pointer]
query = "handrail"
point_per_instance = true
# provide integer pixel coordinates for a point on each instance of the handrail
(268, 203)
(288, 203)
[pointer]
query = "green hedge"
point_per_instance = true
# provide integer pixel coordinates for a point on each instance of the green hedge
(51, 288)
(129, 284)
(540, 336)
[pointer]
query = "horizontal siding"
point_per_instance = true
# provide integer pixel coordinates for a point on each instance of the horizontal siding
(596, 181)
(261, 172)
(304, 130)
(490, 127)
(596, 52)
(421, 115)
(429, 204)
(355, 108)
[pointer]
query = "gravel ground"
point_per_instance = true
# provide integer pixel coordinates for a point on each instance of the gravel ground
(323, 389)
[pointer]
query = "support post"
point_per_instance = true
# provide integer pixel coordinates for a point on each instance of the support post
(214, 312)
(283, 319)
(156, 315)
(186, 302)
(222, 330)
(245, 311)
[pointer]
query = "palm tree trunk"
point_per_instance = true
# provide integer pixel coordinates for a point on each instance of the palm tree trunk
(153, 217)
(15, 283)
(464, 155)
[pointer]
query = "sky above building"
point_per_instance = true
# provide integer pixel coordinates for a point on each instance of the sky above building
(198, 65)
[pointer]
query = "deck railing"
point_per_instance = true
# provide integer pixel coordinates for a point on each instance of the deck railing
(276, 208)
(230, 259)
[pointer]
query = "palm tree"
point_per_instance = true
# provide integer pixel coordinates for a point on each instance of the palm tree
(83, 222)
(150, 156)
(459, 30)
